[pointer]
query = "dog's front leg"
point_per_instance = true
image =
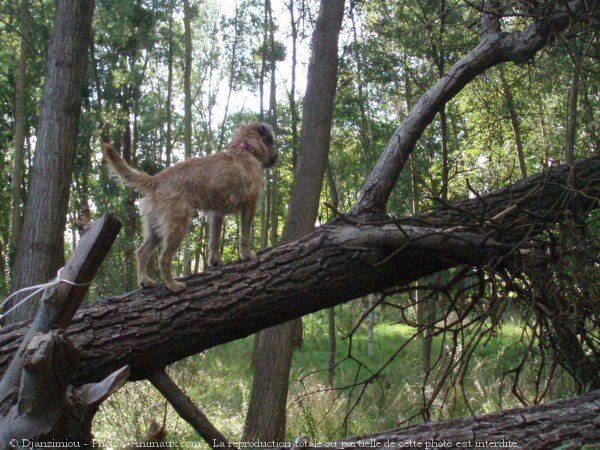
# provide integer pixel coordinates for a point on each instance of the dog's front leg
(215, 224)
(248, 211)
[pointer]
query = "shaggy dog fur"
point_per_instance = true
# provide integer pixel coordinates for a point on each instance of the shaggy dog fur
(220, 183)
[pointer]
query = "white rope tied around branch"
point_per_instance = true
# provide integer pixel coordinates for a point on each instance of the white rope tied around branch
(37, 289)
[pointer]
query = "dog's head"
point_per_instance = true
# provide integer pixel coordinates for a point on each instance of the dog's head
(259, 139)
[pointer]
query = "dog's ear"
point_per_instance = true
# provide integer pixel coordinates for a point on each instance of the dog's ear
(265, 133)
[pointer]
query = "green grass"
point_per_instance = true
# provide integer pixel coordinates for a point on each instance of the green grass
(219, 381)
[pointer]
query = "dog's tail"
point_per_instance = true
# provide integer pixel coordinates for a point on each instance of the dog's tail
(130, 176)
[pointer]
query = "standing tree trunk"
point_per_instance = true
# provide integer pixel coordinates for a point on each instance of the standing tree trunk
(42, 242)
(130, 221)
(427, 314)
(572, 113)
(371, 326)
(169, 106)
(514, 121)
(274, 210)
(187, 119)
(17, 169)
(267, 410)
(266, 215)
(265, 212)
(232, 74)
(418, 292)
(335, 200)
(366, 133)
(293, 107)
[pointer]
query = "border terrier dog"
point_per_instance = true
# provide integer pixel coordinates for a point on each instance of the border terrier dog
(218, 184)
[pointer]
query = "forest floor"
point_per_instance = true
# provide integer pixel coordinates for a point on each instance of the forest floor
(220, 380)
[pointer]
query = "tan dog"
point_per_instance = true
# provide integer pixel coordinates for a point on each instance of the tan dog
(219, 184)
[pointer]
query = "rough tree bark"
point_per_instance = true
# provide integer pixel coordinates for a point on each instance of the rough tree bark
(153, 328)
(267, 410)
(36, 402)
(16, 191)
(42, 245)
(560, 424)
(150, 329)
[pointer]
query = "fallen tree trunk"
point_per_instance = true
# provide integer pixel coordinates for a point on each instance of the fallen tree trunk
(564, 423)
(149, 329)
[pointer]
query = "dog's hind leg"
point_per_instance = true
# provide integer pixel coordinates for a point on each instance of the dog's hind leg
(173, 235)
(248, 211)
(215, 224)
(143, 252)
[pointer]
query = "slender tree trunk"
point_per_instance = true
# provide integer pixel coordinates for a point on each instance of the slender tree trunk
(414, 186)
(366, 134)
(169, 118)
(17, 170)
(265, 213)
(130, 222)
(274, 210)
(428, 312)
(41, 251)
(232, 75)
(187, 77)
(371, 327)
(293, 107)
(269, 213)
(445, 155)
(366, 139)
(331, 311)
(267, 410)
(544, 135)
(591, 112)
(3, 280)
(263, 62)
(418, 293)
(572, 113)
(104, 131)
(514, 121)
(332, 344)
(187, 119)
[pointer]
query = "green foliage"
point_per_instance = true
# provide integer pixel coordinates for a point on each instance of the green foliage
(220, 379)
(391, 53)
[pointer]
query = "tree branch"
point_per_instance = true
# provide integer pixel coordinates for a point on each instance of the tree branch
(494, 48)
(150, 329)
(60, 302)
(573, 421)
(187, 410)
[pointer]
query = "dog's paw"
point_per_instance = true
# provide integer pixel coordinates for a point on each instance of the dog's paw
(249, 255)
(147, 283)
(176, 286)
